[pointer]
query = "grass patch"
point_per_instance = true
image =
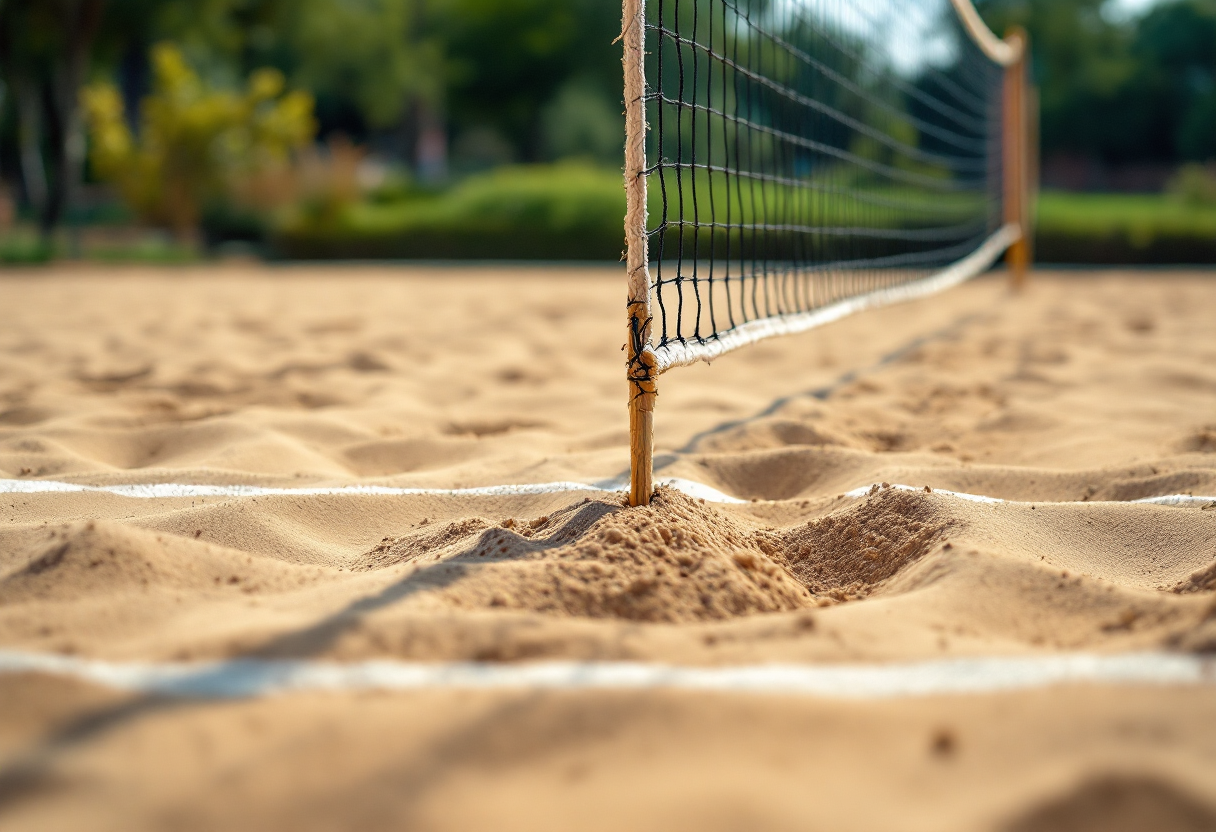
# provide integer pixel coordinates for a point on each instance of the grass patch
(1124, 229)
(24, 248)
(152, 251)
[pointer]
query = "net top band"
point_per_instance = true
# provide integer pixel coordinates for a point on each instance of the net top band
(1004, 52)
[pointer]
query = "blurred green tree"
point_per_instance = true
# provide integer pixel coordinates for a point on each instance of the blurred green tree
(366, 52)
(1119, 90)
(530, 80)
(366, 62)
(194, 140)
(524, 68)
(1176, 45)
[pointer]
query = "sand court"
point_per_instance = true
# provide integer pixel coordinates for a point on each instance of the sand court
(320, 390)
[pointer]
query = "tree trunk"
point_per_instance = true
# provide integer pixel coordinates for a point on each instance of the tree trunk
(29, 141)
(66, 130)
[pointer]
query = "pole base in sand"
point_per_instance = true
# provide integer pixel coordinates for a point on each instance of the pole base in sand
(641, 449)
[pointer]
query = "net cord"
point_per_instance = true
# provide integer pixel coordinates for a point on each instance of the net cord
(682, 355)
(1003, 52)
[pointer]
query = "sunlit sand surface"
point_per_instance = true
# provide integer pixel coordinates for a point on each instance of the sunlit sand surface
(1070, 401)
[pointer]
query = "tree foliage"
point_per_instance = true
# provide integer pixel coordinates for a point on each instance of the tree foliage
(529, 80)
(507, 60)
(364, 52)
(1121, 91)
(194, 140)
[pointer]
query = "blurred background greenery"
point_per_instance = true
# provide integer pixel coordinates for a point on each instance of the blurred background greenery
(165, 130)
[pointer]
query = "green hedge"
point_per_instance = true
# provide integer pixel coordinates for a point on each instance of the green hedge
(24, 249)
(554, 212)
(574, 212)
(1124, 229)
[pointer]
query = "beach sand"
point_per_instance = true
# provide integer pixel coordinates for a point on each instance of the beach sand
(1070, 401)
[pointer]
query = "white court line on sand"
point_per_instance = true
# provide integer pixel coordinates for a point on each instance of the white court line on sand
(239, 678)
(691, 488)
(169, 490)
(1166, 500)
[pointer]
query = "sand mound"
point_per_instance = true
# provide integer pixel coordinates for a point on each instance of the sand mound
(1186, 481)
(675, 560)
(845, 555)
(1120, 804)
(770, 433)
(1202, 580)
(1053, 575)
(86, 560)
(432, 542)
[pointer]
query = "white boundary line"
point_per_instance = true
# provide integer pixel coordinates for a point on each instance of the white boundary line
(681, 355)
(151, 491)
(169, 490)
(1165, 500)
(239, 678)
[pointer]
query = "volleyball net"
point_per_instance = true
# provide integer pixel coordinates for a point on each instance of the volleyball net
(789, 162)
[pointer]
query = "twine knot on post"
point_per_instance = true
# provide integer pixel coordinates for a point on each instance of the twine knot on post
(641, 371)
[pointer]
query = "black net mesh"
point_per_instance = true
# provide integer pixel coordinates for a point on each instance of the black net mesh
(804, 152)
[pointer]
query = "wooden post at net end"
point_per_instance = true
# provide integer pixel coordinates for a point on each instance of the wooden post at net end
(1031, 210)
(641, 372)
(1016, 161)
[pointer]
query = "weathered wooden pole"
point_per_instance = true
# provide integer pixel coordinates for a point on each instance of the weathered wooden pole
(641, 374)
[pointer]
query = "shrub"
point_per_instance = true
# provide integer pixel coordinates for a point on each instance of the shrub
(195, 142)
(566, 211)
(1194, 184)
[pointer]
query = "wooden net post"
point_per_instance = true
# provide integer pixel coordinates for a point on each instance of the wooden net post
(1016, 160)
(1032, 167)
(641, 372)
